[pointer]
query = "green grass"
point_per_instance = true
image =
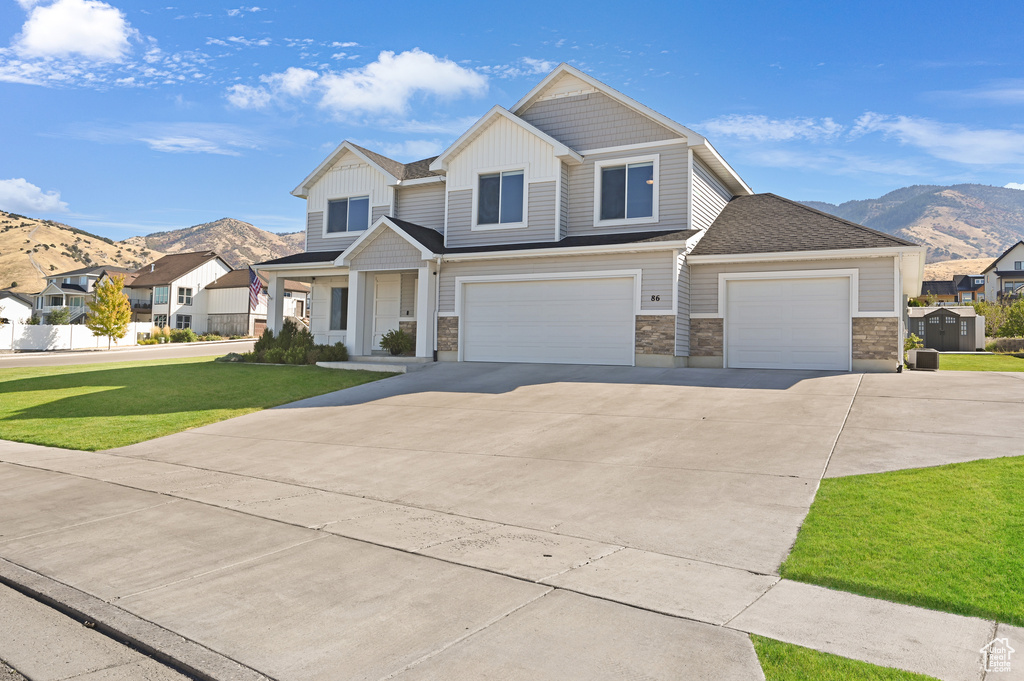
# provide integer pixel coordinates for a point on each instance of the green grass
(787, 662)
(947, 538)
(101, 406)
(981, 363)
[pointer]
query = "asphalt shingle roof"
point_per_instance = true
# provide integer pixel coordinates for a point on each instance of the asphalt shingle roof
(938, 288)
(240, 279)
(766, 223)
(403, 171)
(170, 267)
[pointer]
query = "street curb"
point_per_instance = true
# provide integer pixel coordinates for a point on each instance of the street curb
(181, 654)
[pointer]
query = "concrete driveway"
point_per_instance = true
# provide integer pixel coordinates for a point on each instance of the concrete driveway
(483, 521)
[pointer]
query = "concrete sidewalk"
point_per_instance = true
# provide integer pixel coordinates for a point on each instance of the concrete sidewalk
(298, 583)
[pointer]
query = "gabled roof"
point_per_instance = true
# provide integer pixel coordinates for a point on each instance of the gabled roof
(562, 151)
(965, 282)
(938, 288)
(172, 267)
(20, 297)
(1005, 253)
(94, 269)
(427, 241)
(766, 223)
(394, 171)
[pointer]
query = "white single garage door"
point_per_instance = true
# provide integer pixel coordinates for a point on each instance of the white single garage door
(788, 323)
(559, 321)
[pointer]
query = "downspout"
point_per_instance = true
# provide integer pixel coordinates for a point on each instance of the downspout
(437, 301)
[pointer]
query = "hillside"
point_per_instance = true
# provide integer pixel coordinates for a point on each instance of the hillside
(239, 243)
(958, 221)
(945, 270)
(31, 249)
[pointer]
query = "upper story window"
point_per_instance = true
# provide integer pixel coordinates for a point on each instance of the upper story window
(184, 296)
(348, 215)
(1019, 265)
(626, 191)
(979, 282)
(500, 198)
(161, 295)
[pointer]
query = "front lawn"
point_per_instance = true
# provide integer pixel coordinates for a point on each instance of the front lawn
(948, 538)
(981, 363)
(787, 662)
(101, 406)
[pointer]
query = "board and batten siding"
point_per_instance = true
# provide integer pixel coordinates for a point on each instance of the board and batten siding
(320, 309)
(196, 280)
(682, 307)
(540, 219)
(594, 121)
(233, 301)
(506, 145)
(877, 279)
(422, 205)
(657, 277)
(350, 176)
(387, 251)
(709, 195)
(672, 180)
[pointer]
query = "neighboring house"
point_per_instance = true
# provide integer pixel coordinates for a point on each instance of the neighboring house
(15, 308)
(72, 290)
(580, 226)
(1004, 278)
(970, 288)
(171, 291)
(230, 314)
(948, 328)
(944, 292)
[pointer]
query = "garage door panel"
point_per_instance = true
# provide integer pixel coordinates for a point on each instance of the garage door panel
(566, 321)
(788, 323)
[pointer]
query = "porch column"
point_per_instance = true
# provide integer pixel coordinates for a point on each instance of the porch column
(356, 314)
(275, 302)
(425, 303)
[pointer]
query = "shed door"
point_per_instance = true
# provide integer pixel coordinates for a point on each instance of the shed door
(561, 321)
(788, 323)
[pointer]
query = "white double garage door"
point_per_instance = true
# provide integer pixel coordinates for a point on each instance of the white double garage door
(785, 323)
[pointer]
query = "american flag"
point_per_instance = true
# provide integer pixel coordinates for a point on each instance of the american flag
(255, 286)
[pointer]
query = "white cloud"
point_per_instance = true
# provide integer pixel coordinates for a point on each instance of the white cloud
(1014, 185)
(177, 138)
(248, 97)
(388, 84)
(89, 28)
(20, 196)
(239, 11)
(184, 144)
(524, 66)
(455, 126)
(249, 42)
(293, 82)
(348, 44)
(947, 141)
(764, 129)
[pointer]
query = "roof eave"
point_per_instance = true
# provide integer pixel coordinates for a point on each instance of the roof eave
(302, 191)
(823, 254)
(707, 153)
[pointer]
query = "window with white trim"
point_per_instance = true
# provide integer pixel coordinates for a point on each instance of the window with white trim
(183, 321)
(920, 327)
(1019, 265)
(963, 327)
(160, 320)
(184, 297)
(626, 191)
(161, 294)
(350, 214)
(501, 198)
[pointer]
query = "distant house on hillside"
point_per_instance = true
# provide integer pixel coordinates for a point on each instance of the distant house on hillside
(73, 290)
(229, 311)
(14, 307)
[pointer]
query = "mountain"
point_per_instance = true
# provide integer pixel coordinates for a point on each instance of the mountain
(239, 243)
(958, 221)
(31, 249)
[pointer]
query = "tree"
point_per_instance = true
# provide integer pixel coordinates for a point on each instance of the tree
(110, 312)
(61, 315)
(994, 314)
(1014, 326)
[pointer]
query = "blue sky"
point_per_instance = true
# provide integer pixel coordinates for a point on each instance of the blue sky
(125, 118)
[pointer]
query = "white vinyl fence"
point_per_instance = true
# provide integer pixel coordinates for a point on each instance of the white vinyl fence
(63, 337)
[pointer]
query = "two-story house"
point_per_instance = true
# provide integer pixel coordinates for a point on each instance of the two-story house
(580, 226)
(171, 291)
(962, 289)
(230, 312)
(1005, 276)
(73, 290)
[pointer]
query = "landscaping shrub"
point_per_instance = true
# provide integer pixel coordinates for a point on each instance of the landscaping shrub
(397, 342)
(231, 357)
(211, 337)
(293, 346)
(148, 341)
(183, 336)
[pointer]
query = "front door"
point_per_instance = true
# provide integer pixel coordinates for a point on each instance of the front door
(387, 302)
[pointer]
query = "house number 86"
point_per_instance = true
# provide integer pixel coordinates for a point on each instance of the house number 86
(655, 298)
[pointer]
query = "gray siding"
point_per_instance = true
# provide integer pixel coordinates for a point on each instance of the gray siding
(683, 308)
(594, 121)
(656, 280)
(377, 212)
(709, 195)
(408, 303)
(315, 240)
(422, 205)
(876, 292)
(540, 219)
(387, 251)
(672, 193)
(563, 209)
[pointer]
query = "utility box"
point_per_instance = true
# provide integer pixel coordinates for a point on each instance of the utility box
(927, 359)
